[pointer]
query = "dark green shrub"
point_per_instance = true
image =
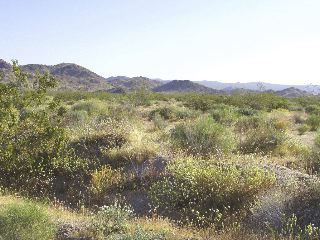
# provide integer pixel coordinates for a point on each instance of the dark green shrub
(25, 221)
(245, 111)
(165, 112)
(203, 137)
(313, 109)
(199, 102)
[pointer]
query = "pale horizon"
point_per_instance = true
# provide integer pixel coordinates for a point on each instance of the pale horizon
(252, 41)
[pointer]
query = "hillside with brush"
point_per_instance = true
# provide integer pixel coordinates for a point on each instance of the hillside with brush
(70, 76)
(134, 83)
(184, 86)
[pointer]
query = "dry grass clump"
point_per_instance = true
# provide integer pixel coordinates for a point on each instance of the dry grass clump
(104, 181)
(138, 149)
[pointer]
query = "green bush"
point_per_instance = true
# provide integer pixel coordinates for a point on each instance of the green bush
(200, 190)
(25, 221)
(92, 106)
(224, 114)
(264, 139)
(313, 109)
(246, 111)
(172, 113)
(246, 123)
(203, 137)
(314, 122)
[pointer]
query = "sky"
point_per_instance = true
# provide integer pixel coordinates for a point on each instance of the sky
(276, 41)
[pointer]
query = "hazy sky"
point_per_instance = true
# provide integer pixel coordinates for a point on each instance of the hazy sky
(224, 40)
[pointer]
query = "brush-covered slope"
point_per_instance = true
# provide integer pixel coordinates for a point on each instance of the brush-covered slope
(134, 83)
(184, 86)
(292, 92)
(71, 76)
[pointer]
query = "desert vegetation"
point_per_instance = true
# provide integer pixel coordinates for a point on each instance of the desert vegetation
(144, 165)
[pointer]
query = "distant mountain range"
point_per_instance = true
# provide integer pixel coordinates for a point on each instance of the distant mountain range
(258, 86)
(74, 77)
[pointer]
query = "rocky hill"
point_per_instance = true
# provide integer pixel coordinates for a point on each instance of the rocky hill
(135, 83)
(292, 92)
(71, 76)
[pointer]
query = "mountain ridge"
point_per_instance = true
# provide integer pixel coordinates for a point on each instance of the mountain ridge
(75, 77)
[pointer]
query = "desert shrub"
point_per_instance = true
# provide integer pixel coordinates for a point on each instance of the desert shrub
(313, 109)
(200, 190)
(25, 221)
(122, 111)
(299, 118)
(311, 162)
(314, 122)
(73, 117)
(158, 121)
(246, 111)
(280, 119)
(317, 139)
(224, 114)
(199, 102)
(93, 138)
(91, 106)
(111, 219)
(103, 181)
(246, 123)
(172, 113)
(140, 97)
(203, 137)
(291, 147)
(264, 139)
(165, 112)
(303, 128)
(291, 229)
(303, 203)
(280, 124)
